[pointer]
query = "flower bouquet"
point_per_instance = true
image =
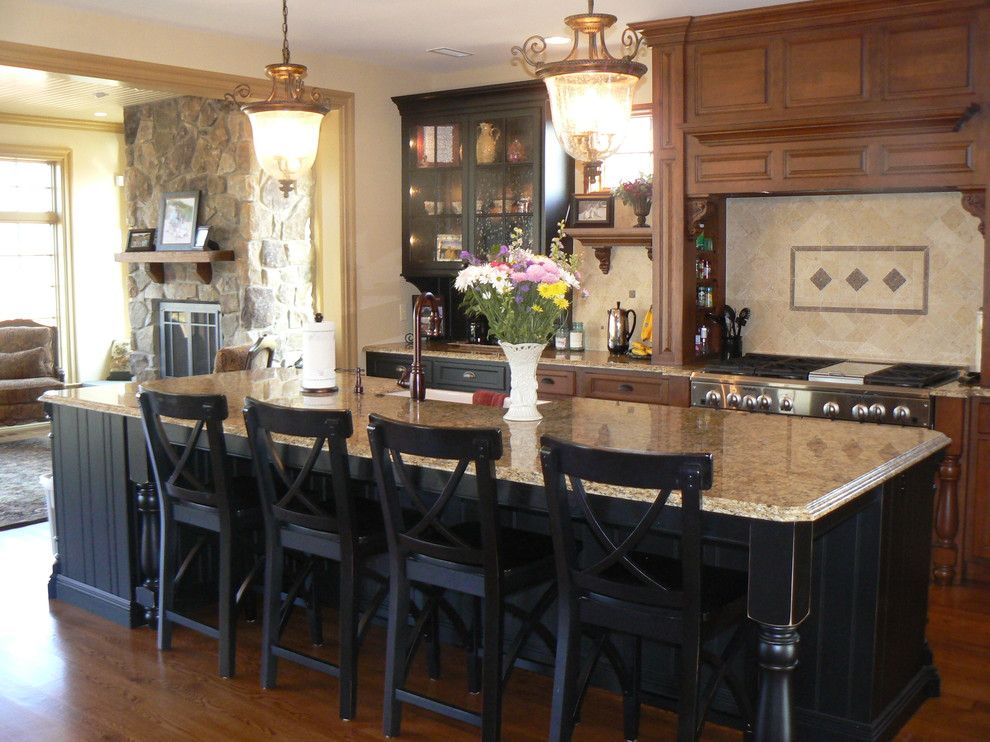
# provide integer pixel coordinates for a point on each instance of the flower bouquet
(637, 193)
(523, 296)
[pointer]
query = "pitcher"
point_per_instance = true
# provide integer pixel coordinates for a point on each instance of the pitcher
(619, 329)
(485, 147)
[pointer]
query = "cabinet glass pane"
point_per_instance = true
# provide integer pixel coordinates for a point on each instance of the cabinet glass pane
(435, 146)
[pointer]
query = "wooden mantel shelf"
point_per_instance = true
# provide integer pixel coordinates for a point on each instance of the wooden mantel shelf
(603, 239)
(204, 260)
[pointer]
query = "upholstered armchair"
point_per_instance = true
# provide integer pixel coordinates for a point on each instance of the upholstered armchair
(28, 368)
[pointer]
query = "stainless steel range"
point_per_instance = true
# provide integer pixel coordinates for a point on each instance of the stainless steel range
(822, 387)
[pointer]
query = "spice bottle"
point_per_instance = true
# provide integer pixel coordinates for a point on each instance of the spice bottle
(577, 336)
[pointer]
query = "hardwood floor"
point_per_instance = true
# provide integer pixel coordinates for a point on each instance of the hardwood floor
(69, 676)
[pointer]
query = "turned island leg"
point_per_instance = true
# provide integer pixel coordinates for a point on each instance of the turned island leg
(945, 553)
(778, 657)
(147, 592)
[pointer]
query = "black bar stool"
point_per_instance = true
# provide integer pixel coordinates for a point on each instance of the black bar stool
(303, 517)
(642, 595)
(483, 559)
(207, 497)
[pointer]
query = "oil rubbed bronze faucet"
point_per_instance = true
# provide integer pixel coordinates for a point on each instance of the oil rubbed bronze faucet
(414, 377)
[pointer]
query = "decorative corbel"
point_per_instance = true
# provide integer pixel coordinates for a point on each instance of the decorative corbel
(975, 202)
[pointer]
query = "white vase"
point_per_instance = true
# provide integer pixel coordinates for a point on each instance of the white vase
(523, 359)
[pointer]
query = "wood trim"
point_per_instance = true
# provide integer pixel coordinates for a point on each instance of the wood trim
(348, 232)
(796, 16)
(148, 75)
(924, 122)
(52, 122)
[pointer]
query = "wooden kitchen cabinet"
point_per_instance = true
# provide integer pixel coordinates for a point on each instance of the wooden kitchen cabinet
(976, 511)
(554, 381)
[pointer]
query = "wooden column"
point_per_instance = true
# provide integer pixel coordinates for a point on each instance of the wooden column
(667, 40)
(950, 418)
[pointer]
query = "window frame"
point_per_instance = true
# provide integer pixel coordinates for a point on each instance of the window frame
(61, 159)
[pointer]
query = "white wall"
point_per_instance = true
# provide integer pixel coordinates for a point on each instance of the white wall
(95, 215)
(381, 291)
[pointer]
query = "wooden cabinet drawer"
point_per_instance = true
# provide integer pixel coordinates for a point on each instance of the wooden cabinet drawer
(469, 376)
(651, 389)
(983, 418)
(555, 382)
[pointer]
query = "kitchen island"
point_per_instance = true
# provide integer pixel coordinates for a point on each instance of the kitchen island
(831, 520)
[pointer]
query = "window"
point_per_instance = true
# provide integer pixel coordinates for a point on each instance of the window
(635, 156)
(29, 233)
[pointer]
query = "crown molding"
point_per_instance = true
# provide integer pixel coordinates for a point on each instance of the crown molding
(52, 122)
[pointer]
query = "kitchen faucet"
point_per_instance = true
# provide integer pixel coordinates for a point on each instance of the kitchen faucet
(414, 378)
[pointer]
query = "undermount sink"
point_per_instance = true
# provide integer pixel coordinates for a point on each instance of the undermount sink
(446, 395)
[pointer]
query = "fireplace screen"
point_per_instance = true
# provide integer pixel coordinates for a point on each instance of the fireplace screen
(190, 337)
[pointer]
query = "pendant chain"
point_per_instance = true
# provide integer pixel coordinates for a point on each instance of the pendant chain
(285, 31)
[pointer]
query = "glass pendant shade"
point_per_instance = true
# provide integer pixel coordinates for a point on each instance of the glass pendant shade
(285, 141)
(591, 111)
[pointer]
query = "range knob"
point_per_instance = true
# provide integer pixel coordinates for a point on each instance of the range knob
(860, 412)
(764, 403)
(830, 410)
(877, 413)
(749, 402)
(733, 400)
(786, 404)
(902, 415)
(713, 399)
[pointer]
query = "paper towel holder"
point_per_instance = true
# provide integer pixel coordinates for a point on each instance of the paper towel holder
(319, 379)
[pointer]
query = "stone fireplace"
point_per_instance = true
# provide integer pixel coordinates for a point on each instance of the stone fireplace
(192, 143)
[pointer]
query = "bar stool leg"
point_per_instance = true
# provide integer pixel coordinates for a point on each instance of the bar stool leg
(166, 580)
(395, 651)
(348, 640)
(565, 675)
(687, 713)
(491, 701)
(270, 609)
(630, 692)
(474, 647)
(228, 611)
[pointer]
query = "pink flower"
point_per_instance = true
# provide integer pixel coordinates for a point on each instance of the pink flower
(518, 277)
(535, 273)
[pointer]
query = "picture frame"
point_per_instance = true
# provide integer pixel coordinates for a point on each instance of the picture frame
(140, 240)
(449, 248)
(592, 210)
(203, 238)
(178, 219)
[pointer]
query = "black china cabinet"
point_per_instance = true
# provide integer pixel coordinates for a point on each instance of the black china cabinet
(477, 164)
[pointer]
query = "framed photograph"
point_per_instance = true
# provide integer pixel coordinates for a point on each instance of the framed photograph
(203, 238)
(592, 210)
(177, 221)
(140, 240)
(448, 248)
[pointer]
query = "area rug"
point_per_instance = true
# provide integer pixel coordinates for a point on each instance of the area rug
(22, 499)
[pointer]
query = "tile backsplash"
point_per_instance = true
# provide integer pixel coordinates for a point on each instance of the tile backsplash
(631, 271)
(866, 277)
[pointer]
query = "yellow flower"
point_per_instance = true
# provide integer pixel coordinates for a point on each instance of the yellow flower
(537, 308)
(551, 290)
(560, 302)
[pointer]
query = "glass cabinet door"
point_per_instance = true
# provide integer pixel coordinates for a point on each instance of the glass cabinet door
(506, 185)
(434, 206)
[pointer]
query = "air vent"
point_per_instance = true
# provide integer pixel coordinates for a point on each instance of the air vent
(446, 51)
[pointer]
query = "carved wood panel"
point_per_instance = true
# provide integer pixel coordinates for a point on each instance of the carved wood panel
(928, 60)
(732, 77)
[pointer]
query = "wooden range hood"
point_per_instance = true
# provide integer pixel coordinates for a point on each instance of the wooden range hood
(834, 96)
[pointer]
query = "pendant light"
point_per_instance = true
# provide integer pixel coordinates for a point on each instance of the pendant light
(590, 97)
(285, 126)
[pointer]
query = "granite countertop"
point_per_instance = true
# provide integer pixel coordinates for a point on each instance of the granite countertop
(769, 467)
(597, 359)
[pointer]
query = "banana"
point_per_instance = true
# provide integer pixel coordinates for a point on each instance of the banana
(646, 335)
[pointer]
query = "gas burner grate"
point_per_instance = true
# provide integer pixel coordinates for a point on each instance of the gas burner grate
(771, 366)
(913, 375)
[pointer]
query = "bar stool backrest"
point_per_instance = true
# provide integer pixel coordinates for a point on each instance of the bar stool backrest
(566, 468)
(175, 464)
(287, 490)
(422, 530)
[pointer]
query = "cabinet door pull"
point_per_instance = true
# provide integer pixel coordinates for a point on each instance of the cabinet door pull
(400, 369)
(548, 381)
(625, 387)
(469, 375)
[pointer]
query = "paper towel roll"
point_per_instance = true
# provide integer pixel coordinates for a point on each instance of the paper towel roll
(319, 357)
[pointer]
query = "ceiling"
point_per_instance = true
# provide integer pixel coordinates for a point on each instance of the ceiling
(398, 32)
(36, 93)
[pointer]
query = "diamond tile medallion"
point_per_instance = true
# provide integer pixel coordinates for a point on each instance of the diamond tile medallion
(876, 280)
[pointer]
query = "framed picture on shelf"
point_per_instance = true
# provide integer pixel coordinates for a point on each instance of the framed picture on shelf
(140, 240)
(448, 248)
(177, 221)
(592, 209)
